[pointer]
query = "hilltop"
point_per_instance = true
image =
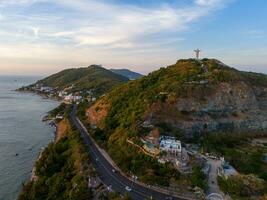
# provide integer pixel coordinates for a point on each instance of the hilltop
(127, 73)
(191, 97)
(93, 77)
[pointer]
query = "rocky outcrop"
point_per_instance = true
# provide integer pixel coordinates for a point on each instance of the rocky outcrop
(236, 106)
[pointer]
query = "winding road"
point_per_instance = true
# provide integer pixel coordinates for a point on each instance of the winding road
(115, 180)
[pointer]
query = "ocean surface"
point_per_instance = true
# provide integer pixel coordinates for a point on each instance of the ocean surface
(22, 133)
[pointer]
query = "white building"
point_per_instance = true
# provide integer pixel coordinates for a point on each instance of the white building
(62, 93)
(71, 98)
(68, 97)
(171, 145)
(77, 98)
(46, 89)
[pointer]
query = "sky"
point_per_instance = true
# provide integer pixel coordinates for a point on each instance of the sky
(41, 37)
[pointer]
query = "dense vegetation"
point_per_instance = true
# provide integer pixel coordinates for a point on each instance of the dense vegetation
(129, 105)
(198, 178)
(93, 77)
(239, 152)
(243, 187)
(61, 171)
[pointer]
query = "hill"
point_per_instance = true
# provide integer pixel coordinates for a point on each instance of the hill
(190, 97)
(127, 73)
(92, 77)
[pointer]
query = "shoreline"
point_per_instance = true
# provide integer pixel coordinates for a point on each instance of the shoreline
(48, 122)
(44, 95)
(33, 176)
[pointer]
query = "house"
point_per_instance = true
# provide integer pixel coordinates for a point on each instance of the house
(62, 93)
(170, 145)
(77, 98)
(59, 117)
(68, 97)
(72, 98)
(46, 89)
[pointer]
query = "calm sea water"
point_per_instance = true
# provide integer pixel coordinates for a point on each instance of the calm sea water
(22, 132)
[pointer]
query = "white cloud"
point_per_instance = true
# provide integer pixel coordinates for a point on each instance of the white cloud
(258, 34)
(208, 2)
(120, 25)
(90, 31)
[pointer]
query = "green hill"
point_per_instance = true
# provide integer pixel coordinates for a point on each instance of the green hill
(92, 77)
(188, 99)
(191, 96)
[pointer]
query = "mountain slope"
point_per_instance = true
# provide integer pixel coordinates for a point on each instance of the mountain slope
(127, 73)
(92, 77)
(192, 97)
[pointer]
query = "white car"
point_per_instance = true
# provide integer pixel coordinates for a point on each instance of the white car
(128, 188)
(113, 170)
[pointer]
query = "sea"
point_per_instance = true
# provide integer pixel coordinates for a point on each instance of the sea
(22, 133)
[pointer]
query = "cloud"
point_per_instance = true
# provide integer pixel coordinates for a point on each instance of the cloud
(90, 31)
(256, 34)
(120, 25)
(105, 24)
(208, 2)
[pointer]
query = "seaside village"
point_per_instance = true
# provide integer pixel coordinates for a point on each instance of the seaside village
(166, 149)
(66, 94)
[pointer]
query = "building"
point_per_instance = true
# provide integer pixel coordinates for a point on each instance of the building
(170, 145)
(62, 94)
(72, 98)
(46, 89)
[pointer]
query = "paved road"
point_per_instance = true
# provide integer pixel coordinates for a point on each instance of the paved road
(116, 181)
(212, 180)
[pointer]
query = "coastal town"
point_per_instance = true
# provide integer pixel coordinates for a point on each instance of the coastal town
(65, 95)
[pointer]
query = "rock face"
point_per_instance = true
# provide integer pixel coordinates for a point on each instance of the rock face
(238, 106)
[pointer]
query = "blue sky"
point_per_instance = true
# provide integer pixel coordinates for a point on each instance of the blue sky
(40, 37)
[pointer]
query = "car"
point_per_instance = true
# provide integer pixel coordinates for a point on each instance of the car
(128, 188)
(113, 170)
(97, 159)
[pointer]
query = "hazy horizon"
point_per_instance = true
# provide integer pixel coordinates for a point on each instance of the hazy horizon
(42, 37)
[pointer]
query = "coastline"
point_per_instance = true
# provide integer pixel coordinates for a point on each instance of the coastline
(23, 134)
(43, 95)
(49, 122)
